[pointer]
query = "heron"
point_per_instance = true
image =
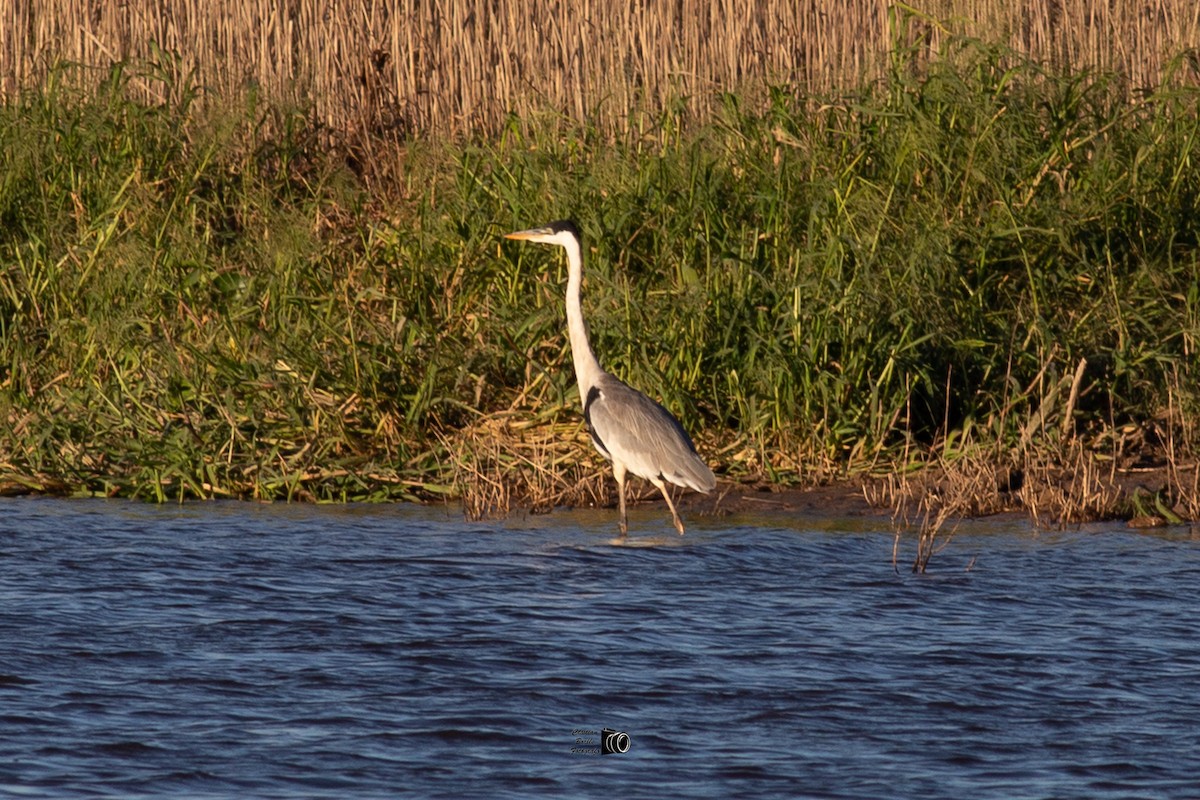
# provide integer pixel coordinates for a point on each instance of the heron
(629, 429)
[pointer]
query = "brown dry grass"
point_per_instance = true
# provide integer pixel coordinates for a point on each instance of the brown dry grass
(463, 65)
(1133, 473)
(1147, 473)
(509, 460)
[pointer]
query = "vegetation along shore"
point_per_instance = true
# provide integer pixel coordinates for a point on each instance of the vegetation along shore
(967, 284)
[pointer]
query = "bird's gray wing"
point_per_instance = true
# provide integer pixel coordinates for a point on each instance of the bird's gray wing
(629, 427)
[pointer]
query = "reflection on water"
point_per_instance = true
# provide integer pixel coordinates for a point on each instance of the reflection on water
(233, 650)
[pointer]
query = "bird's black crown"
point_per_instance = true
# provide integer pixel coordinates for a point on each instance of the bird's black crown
(564, 225)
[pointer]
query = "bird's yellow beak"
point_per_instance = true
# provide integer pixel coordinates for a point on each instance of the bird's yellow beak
(532, 234)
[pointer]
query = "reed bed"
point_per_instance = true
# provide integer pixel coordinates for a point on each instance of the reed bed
(975, 262)
(470, 67)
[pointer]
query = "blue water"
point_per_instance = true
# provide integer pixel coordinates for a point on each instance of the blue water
(237, 650)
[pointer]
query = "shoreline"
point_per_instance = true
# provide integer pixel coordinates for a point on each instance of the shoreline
(1080, 485)
(923, 502)
(1141, 497)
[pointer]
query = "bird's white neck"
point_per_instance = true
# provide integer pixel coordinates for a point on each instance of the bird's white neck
(587, 368)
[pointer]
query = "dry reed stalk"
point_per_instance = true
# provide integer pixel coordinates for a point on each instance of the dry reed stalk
(971, 486)
(1070, 490)
(928, 519)
(462, 65)
(1185, 487)
(501, 463)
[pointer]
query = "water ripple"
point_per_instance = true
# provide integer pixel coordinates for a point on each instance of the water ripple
(229, 650)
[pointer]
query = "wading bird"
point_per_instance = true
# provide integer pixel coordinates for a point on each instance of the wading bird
(628, 428)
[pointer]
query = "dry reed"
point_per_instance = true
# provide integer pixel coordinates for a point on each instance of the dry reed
(463, 66)
(505, 461)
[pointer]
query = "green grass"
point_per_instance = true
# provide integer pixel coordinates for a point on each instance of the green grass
(202, 299)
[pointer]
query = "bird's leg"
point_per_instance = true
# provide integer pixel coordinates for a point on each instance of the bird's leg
(662, 487)
(619, 474)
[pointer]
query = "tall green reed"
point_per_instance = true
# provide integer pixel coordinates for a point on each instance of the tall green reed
(207, 301)
(178, 302)
(842, 279)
